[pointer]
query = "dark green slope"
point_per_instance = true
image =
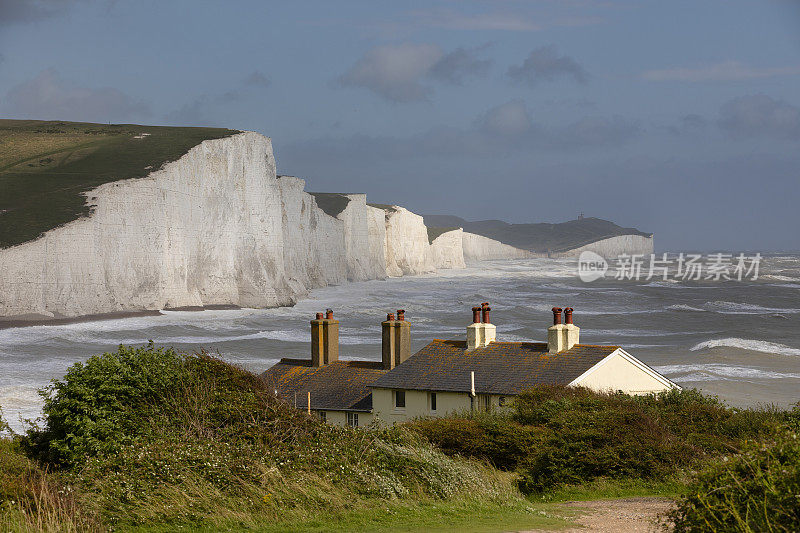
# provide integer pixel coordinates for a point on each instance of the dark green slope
(45, 166)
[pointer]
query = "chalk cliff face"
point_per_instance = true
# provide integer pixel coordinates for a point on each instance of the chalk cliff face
(363, 244)
(407, 248)
(480, 248)
(448, 250)
(614, 246)
(216, 227)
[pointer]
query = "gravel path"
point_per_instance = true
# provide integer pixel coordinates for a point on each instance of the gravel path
(628, 515)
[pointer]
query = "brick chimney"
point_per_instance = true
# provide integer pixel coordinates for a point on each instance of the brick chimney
(324, 339)
(555, 333)
(395, 339)
(481, 332)
(572, 332)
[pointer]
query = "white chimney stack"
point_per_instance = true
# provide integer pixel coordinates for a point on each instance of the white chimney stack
(481, 332)
(562, 336)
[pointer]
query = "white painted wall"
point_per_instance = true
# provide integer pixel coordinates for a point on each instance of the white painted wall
(622, 372)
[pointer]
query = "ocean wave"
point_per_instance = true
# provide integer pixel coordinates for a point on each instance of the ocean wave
(752, 345)
(717, 371)
(777, 277)
(736, 308)
(684, 307)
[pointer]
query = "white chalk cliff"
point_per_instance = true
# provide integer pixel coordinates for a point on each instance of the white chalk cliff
(614, 246)
(480, 248)
(215, 227)
(448, 249)
(218, 227)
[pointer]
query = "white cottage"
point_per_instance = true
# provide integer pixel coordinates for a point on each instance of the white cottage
(448, 376)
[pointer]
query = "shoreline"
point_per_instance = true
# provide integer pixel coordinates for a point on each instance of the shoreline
(23, 322)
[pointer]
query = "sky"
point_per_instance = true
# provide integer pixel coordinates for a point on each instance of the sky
(680, 118)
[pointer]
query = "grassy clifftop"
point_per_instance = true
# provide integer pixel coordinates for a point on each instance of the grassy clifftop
(45, 166)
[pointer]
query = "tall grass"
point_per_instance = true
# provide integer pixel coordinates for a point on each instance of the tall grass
(34, 499)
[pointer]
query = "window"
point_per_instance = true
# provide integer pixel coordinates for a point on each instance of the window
(323, 416)
(399, 399)
(352, 420)
(433, 401)
(501, 401)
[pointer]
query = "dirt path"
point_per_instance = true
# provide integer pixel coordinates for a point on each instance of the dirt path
(628, 515)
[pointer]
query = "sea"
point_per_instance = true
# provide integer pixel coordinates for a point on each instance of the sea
(736, 339)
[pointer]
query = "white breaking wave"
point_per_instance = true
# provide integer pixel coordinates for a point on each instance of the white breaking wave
(684, 307)
(748, 344)
(714, 372)
(736, 308)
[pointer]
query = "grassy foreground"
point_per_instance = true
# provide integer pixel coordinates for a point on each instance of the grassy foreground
(46, 166)
(149, 439)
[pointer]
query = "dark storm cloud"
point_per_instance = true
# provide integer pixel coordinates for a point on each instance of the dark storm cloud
(197, 112)
(545, 64)
(49, 96)
(24, 11)
(459, 65)
(688, 125)
(759, 115)
(257, 79)
(399, 73)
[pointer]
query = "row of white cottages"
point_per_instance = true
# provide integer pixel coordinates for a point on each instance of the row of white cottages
(448, 376)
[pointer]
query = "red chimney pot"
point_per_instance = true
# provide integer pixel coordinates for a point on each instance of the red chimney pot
(476, 315)
(401, 314)
(568, 315)
(319, 316)
(485, 313)
(329, 314)
(390, 317)
(556, 316)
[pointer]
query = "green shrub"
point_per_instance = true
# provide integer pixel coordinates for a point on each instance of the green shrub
(98, 404)
(756, 490)
(556, 435)
(151, 436)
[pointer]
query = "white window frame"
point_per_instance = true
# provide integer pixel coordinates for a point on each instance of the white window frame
(352, 419)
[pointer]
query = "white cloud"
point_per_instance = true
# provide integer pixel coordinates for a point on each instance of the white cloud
(509, 119)
(725, 71)
(395, 71)
(399, 72)
(49, 96)
(759, 115)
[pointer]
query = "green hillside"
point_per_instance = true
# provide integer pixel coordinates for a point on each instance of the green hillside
(45, 166)
(540, 237)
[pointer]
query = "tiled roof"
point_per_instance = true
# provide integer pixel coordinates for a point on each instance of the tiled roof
(343, 385)
(500, 367)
